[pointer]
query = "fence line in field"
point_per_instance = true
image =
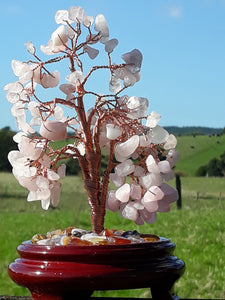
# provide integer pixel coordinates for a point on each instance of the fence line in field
(202, 195)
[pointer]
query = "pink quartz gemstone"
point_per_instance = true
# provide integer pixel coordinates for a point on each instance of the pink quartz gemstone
(53, 130)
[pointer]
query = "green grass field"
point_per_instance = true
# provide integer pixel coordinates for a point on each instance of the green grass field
(197, 230)
(198, 151)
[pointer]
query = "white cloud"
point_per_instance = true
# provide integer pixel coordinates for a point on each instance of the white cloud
(176, 11)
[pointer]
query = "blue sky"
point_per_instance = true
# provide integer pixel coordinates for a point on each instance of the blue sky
(182, 42)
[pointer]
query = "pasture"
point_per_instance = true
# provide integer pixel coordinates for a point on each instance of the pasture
(197, 230)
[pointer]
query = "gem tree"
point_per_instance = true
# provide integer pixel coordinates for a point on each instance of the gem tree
(141, 154)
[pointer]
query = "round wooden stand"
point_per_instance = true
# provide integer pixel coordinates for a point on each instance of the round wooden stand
(75, 272)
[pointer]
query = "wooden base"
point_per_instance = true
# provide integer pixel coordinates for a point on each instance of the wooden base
(75, 272)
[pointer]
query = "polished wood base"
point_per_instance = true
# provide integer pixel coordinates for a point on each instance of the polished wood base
(75, 272)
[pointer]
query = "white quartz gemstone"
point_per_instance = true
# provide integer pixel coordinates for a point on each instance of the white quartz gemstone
(116, 179)
(127, 148)
(133, 60)
(151, 206)
(153, 194)
(24, 96)
(55, 193)
(42, 182)
(139, 171)
(25, 127)
(158, 135)
(59, 114)
(114, 84)
(102, 27)
(52, 175)
(75, 78)
(29, 148)
(34, 108)
(171, 142)
(72, 122)
(164, 166)
(157, 193)
(45, 203)
(81, 148)
(171, 194)
(50, 80)
(137, 204)
(76, 13)
(59, 36)
(150, 160)
(123, 193)
(89, 236)
(53, 130)
(119, 157)
(112, 203)
(121, 72)
(129, 79)
(125, 168)
(88, 21)
(18, 109)
(172, 157)
(144, 140)
(16, 156)
(122, 101)
(153, 168)
(92, 52)
(113, 132)
(61, 171)
(20, 68)
(140, 111)
(61, 17)
(130, 212)
(150, 179)
(110, 45)
(30, 48)
(152, 119)
(29, 171)
(13, 97)
(28, 182)
(13, 87)
(38, 195)
(18, 136)
(42, 242)
(133, 102)
(135, 191)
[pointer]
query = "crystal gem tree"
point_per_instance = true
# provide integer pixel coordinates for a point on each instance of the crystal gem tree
(141, 154)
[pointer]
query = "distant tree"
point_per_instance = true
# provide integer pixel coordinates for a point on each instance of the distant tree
(215, 168)
(6, 144)
(201, 171)
(72, 167)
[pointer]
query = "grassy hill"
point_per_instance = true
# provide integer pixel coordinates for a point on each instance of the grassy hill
(197, 151)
